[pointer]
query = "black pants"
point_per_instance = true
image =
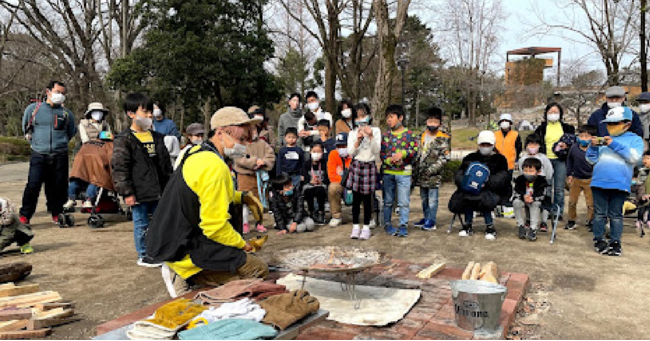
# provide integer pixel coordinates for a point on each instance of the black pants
(53, 171)
(357, 199)
(319, 193)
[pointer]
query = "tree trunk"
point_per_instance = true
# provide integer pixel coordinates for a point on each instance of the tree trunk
(644, 57)
(330, 86)
(386, 75)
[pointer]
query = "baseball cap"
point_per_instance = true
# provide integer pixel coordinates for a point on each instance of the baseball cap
(231, 116)
(618, 114)
(615, 91)
(341, 138)
(644, 96)
(486, 136)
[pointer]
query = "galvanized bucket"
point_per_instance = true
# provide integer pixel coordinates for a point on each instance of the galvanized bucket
(477, 304)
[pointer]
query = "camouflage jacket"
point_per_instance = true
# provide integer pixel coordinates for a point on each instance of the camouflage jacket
(432, 160)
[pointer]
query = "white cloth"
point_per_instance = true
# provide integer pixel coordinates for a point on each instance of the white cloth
(369, 148)
(244, 309)
(173, 147)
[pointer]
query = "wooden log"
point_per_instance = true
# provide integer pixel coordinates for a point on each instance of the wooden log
(25, 334)
(19, 290)
(15, 314)
(475, 271)
(468, 271)
(29, 300)
(431, 270)
(13, 325)
(14, 272)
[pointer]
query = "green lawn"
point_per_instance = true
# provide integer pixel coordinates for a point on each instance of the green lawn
(460, 138)
(13, 149)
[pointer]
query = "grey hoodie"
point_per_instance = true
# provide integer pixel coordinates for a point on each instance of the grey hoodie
(287, 120)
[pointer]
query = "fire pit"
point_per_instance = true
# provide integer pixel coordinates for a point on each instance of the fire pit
(346, 261)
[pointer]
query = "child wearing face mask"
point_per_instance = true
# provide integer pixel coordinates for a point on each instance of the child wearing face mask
(288, 207)
(315, 182)
(344, 124)
(195, 135)
(528, 198)
(579, 173)
(532, 149)
(614, 158)
(290, 158)
(338, 162)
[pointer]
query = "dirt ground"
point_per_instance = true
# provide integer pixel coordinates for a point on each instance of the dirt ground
(588, 296)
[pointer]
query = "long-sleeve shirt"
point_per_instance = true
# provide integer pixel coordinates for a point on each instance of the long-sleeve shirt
(166, 127)
(577, 165)
(368, 149)
(547, 166)
(290, 160)
(404, 142)
(288, 120)
(614, 164)
(334, 161)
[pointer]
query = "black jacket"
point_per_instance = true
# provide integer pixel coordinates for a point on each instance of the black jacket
(496, 190)
(285, 211)
(539, 188)
(134, 172)
(541, 131)
(599, 115)
(307, 167)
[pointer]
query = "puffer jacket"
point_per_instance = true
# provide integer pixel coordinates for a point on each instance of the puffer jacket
(497, 189)
(428, 171)
(286, 212)
(134, 172)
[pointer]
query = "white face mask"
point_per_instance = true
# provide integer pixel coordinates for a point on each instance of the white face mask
(97, 115)
(313, 106)
(644, 108)
(57, 98)
(143, 122)
(197, 142)
(505, 125)
(316, 156)
(553, 117)
(237, 151)
(346, 113)
(157, 112)
(343, 152)
(613, 105)
(485, 151)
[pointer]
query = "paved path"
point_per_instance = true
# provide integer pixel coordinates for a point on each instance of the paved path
(14, 172)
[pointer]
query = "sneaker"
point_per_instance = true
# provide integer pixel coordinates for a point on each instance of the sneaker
(87, 204)
(319, 218)
(26, 249)
(148, 262)
(356, 232)
(175, 284)
(335, 222)
(532, 235)
(601, 247)
(590, 225)
(372, 224)
(260, 228)
(466, 231)
(390, 230)
(522, 232)
(429, 225)
(365, 233)
(615, 249)
(55, 219)
(420, 223)
(24, 220)
(490, 233)
(403, 232)
(543, 227)
(69, 204)
(571, 225)
(247, 228)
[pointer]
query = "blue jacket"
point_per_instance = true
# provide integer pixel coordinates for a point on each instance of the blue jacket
(599, 115)
(53, 127)
(166, 127)
(614, 164)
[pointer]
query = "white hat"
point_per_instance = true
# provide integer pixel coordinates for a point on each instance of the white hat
(486, 136)
(506, 117)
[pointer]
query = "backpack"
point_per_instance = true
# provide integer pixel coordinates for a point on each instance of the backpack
(476, 175)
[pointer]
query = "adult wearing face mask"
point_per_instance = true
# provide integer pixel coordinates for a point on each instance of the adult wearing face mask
(644, 113)
(290, 118)
(195, 135)
(192, 231)
(344, 124)
(508, 141)
(313, 104)
(263, 131)
(551, 131)
(337, 164)
(141, 169)
(49, 127)
(162, 124)
(615, 96)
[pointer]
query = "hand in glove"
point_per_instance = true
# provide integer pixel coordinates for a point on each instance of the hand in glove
(257, 243)
(284, 310)
(254, 205)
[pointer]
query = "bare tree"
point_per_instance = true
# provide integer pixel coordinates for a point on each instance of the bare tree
(608, 26)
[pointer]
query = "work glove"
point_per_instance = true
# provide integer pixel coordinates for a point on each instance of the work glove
(284, 310)
(258, 243)
(167, 320)
(254, 205)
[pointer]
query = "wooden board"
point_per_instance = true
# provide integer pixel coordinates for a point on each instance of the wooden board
(40, 324)
(54, 313)
(29, 300)
(15, 314)
(50, 306)
(25, 334)
(468, 271)
(19, 290)
(13, 325)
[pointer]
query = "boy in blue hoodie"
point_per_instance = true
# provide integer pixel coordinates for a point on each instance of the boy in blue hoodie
(614, 158)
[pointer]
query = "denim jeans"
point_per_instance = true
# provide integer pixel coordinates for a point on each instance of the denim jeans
(469, 217)
(76, 185)
(400, 186)
(559, 178)
(608, 203)
(295, 180)
(141, 214)
(429, 203)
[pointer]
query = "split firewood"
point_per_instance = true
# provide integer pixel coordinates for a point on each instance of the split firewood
(54, 313)
(468, 271)
(9, 326)
(15, 314)
(475, 271)
(489, 273)
(30, 300)
(40, 324)
(50, 306)
(25, 334)
(430, 271)
(19, 290)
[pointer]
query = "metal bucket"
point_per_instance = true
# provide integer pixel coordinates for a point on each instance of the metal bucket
(478, 304)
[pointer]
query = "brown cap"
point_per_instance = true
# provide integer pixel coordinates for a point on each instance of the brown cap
(231, 116)
(195, 129)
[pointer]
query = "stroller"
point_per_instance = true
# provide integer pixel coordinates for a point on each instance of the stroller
(92, 165)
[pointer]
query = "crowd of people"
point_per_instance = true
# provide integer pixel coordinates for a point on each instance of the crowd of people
(191, 207)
